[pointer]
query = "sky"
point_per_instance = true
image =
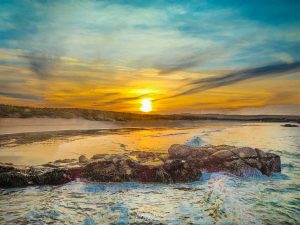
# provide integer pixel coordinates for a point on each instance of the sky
(217, 56)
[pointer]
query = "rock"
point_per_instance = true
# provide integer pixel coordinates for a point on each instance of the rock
(83, 159)
(244, 152)
(289, 125)
(53, 177)
(146, 173)
(248, 171)
(270, 163)
(14, 179)
(6, 168)
(180, 151)
(65, 161)
(181, 171)
(33, 177)
(227, 158)
(148, 158)
(177, 151)
(223, 154)
(115, 170)
(184, 164)
(99, 156)
(53, 165)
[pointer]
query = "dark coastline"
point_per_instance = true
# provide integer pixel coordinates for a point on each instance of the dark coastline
(9, 111)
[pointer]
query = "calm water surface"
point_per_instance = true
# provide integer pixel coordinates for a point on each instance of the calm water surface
(216, 198)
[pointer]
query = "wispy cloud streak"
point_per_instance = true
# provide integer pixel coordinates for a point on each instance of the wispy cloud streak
(238, 76)
(42, 65)
(20, 96)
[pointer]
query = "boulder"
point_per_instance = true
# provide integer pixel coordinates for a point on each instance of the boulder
(223, 154)
(227, 158)
(177, 151)
(82, 159)
(111, 170)
(181, 171)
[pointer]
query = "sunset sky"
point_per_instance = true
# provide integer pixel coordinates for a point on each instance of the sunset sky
(197, 56)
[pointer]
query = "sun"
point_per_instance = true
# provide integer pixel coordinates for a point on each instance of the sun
(146, 105)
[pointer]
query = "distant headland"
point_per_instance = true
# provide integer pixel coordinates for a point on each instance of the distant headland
(10, 111)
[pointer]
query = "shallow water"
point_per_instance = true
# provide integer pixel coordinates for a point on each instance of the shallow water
(154, 136)
(216, 198)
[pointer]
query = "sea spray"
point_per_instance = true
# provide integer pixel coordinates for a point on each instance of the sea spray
(196, 142)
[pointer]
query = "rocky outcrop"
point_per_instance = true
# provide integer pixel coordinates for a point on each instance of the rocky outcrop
(239, 161)
(289, 125)
(183, 164)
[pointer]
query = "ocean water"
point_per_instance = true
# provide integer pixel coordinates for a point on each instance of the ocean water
(217, 198)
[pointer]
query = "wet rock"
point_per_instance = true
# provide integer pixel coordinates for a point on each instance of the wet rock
(99, 156)
(144, 156)
(184, 164)
(53, 177)
(181, 171)
(148, 158)
(227, 158)
(52, 165)
(83, 159)
(65, 161)
(112, 170)
(6, 168)
(290, 125)
(14, 179)
(146, 173)
(244, 152)
(270, 163)
(223, 154)
(177, 151)
(248, 171)
(107, 156)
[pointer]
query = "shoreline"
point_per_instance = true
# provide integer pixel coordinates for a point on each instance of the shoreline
(36, 148)
(10, 111)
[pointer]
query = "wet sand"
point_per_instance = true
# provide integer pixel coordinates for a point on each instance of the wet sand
(12, 140)
(37, 146)
(39, 143)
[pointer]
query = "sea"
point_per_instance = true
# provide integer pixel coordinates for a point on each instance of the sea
(216, 198)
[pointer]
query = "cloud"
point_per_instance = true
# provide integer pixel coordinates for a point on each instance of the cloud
(42, 65)
(127, 46)
(238, 76)
(284, 57)
(20, 96)
(185, 63)
(125, 99)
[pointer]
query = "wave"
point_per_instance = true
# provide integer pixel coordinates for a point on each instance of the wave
(165, 135)
(196, 142)
(209, 132)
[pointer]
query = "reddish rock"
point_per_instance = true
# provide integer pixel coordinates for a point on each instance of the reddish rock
(227, 158)
(184, 164)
